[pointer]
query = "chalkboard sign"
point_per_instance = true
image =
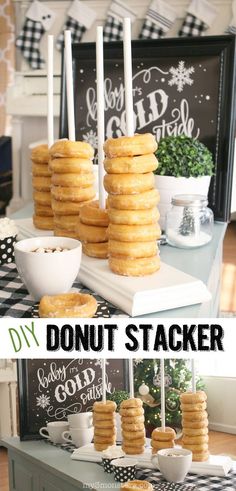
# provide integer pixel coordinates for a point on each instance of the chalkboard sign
(50, 390)
(180, 86)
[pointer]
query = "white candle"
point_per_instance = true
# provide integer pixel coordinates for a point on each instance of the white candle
(163, 402)
(69, 86)
(131, 378)
(193, 376)
(128, 77)
(50, 91)
(103, 365)
(100, 114)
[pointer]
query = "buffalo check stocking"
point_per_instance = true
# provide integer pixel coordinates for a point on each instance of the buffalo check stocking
(200, 16)
(158, 20)
(113, 29)
(80, 17)
(39, 18)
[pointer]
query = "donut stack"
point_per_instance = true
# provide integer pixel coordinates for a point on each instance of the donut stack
(41, 181)
(92, 230)
(162, 438)
(132, 424)
(72, 183)
(195, 424)
(132, 200)
(104, 424)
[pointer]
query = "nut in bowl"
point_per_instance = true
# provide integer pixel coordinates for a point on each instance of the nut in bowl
(174, 463)
(48, 265)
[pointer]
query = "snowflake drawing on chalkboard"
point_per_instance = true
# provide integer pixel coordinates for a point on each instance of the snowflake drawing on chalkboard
(43, 401)
(91, 137)
(181, 76)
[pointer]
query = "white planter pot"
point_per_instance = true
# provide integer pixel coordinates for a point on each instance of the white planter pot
(169, 186)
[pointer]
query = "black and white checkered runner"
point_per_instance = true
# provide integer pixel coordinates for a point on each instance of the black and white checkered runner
(16, 302)
(192, 482)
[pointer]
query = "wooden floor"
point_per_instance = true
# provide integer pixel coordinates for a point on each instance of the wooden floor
(228, 278)
(220, 443)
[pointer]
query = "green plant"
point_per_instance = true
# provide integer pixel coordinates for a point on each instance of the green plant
(118, 396)
(182, 156)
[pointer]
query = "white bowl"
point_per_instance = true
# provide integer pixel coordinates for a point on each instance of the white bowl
(47, 273)
(173, 463)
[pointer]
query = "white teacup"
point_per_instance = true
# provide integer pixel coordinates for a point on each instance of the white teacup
(79, 436)
(174, 463)
(54, 430)
(80, 420)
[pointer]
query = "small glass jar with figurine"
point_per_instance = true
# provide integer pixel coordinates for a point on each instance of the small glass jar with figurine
(189, 223)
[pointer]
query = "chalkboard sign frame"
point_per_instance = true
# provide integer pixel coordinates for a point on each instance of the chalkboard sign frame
(25, 389)
(221, 46)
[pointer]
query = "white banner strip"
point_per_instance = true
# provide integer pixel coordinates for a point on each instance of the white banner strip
(116, 338)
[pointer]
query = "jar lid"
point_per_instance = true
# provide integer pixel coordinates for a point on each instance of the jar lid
(189, 200)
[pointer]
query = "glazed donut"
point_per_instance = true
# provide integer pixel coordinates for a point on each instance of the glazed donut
(73, 180)
(128, 183)
(133, 217)
(200, 456)
(137, 485)
(67, 148)
(61, 232)
(195, 416)
(193, 397)
(135, 443)
(68, 305)
(130, 145)
(195, 439)
(131, 411)
(110, 439)
(105, 432)
(91, 214)
(41, 183)
(141, 201)
(159, 445)
(200, 406)
(195, 431)
(133, 435)
(95, 249)
(128, 427)
(43, 222)
(67, 207)
(104, 424)
(43, 211)
(40, 154)
(40, 170)
(77, 194)
(132, 249)
(132, 450)
(198, 448)
(104, 407)
(70, 166)
(163, 435)
(134, 267)
(104, 417)
(195, 424)
(131, 165)
(42, 198)
(68, 222)
(100, 446)
(90, 233)
(132, 402)
(133, 233)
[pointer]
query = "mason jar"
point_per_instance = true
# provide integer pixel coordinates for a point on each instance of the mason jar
(189, 223)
